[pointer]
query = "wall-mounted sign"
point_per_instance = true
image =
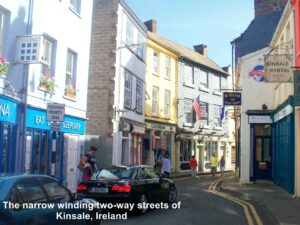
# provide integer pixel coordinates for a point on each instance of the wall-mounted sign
(283, 113)
(232, 98)
(257, 73)
(28, 49)
(8, 111)
(278, 68)
(260, 119)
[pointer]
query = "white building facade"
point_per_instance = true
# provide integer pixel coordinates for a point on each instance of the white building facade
(49, 59)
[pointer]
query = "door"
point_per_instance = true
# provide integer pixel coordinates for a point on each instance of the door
(72, 152)
(262, 158)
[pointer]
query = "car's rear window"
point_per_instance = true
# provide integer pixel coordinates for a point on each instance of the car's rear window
(113, 173)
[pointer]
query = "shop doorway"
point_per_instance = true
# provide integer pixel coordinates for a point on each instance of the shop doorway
(262, 158)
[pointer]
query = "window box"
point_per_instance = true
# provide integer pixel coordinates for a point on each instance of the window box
(3, 67)
(47, 83)
(70, 91)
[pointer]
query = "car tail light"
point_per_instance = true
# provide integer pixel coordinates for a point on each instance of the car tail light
(121, 188)
(82, 187)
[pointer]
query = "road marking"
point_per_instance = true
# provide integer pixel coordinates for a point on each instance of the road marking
(246, 205)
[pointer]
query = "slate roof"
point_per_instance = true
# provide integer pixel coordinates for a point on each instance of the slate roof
(187, 53)
(258, 35)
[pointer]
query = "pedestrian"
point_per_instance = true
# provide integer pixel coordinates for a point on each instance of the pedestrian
(87, 168)
(193, 165)
(92, 158)
(222, 165)
(166, 165)
(213, 165)
(159, 160)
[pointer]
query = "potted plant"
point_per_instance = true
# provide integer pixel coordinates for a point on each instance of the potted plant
(70, 91)
(3, 67)
(47, 83)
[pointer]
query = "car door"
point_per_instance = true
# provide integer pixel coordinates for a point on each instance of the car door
(156, 182)
(26, 191)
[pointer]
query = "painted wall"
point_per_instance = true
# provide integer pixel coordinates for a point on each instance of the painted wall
(251, 100)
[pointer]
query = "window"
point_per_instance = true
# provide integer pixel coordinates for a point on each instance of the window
(128, 88)
(188, 75)
(55, 191)
(139, 96)
(75, 5)
(30, 191)
(47, 68)
(167, 103)
(168, 67)
(129, 33)
(204, 114)
(71, 68)
(217, 116)
(188, 111)
(155, 91)
(186, 147)
(155, 62)
(140, 47)
(211, 147)
(216, 83)
(204, 79)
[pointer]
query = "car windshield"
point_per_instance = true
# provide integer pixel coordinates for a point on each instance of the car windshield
(114, 173)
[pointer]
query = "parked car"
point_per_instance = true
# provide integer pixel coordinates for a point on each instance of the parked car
(19, 193)
(135, 184)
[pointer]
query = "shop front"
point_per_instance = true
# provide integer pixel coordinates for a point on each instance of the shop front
(159, 137)
(8, 134)
(54, 152)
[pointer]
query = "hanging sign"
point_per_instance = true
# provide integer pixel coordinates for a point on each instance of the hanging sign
(278, 68)
(55, 112)
(232, 98)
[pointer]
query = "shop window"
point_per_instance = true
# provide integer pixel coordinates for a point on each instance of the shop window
(262, 130)
(7, 148)
(211, 147)
(186, 147)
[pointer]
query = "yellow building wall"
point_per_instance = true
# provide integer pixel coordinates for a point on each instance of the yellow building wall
(161, 81)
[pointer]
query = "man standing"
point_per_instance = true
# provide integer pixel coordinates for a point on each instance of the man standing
(213, 165)
(193, 165)
(166, 165)
(92, 158)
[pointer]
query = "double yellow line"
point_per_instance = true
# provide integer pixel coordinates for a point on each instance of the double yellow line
(245, 205)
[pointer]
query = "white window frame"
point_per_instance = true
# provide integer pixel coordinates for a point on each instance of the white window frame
(202, 83)
(155, 99)
(71, 72)
(213, 84)
(168, 67)
(127, 89)
(47, 57)
(204, 122)
(75, 5)
(2, 30)
(129, 33)
(217, 116)
(188, 110)
(155, 62)
(139, 96)
(167, 106)
(188, 75)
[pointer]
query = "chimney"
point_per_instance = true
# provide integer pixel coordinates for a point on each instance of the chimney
(151, 25)
(202, 49)
(266, 6)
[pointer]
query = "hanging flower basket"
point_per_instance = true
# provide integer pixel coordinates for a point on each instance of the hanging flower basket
(70, 91)
(47, 83)
(3, 67)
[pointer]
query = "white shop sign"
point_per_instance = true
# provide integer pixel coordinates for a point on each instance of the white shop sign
(260, 119)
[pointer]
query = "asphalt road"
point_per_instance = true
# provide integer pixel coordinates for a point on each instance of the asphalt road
(197, 206)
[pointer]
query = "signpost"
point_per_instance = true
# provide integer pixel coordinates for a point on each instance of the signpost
(232, 98)
(55, 114)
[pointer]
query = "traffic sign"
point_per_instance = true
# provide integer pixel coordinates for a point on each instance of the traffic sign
(55, 112)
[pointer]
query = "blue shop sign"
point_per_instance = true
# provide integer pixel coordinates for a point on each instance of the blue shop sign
(38, 119)
(8, 111)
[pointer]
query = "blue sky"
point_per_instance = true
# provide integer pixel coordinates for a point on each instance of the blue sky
(190, 22)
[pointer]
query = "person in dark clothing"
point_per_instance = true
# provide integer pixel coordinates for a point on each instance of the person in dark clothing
(92, 158)
(87, 168)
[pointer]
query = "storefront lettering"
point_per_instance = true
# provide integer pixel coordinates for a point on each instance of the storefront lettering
(4, 110)
(70, 125)
(39, 120)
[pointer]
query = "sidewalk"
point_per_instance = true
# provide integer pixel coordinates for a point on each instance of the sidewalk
(274, 205)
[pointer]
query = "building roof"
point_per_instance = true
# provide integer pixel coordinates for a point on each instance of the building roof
(187, 53)
(258, 34)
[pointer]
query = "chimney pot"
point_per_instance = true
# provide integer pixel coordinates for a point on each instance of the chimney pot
(201, 49)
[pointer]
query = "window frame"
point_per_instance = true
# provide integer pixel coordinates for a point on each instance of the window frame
(167, 104)
(188, 109)
(139, 97)
(206, 121)
(155, 62)
(189, 79)
(156, 101)
(75, 8)
(129, 32)
(168, 67)
(202, 84)
(127, 90)
(72, 74)
(48, 65)
(213, 84)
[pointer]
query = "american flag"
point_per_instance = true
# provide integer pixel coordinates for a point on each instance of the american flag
(197, 107)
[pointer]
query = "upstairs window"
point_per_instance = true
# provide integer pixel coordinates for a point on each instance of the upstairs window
(216, 83)
(2, 22)
(189, 111)
(139, 96)
(127, 90)
(155, 93)
(71, 68)
(217, 116)
(140, 46)
(188, 74)
(47, 55)
(167, 103)
(203, 79)
(155, 62)
(75, 5)
(204, 114)
(168, 67)
(129, 33)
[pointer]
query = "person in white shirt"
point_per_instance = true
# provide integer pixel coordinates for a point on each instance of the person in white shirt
(166, 165)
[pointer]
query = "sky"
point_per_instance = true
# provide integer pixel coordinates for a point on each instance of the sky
(214, 23)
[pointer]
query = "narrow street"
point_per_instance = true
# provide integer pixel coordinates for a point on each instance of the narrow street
(198, 206)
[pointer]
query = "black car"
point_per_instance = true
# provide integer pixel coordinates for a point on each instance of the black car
(135, 184)
(25, 199)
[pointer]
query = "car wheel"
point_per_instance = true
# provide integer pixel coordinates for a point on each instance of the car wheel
(142, 202)
(172, 195)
